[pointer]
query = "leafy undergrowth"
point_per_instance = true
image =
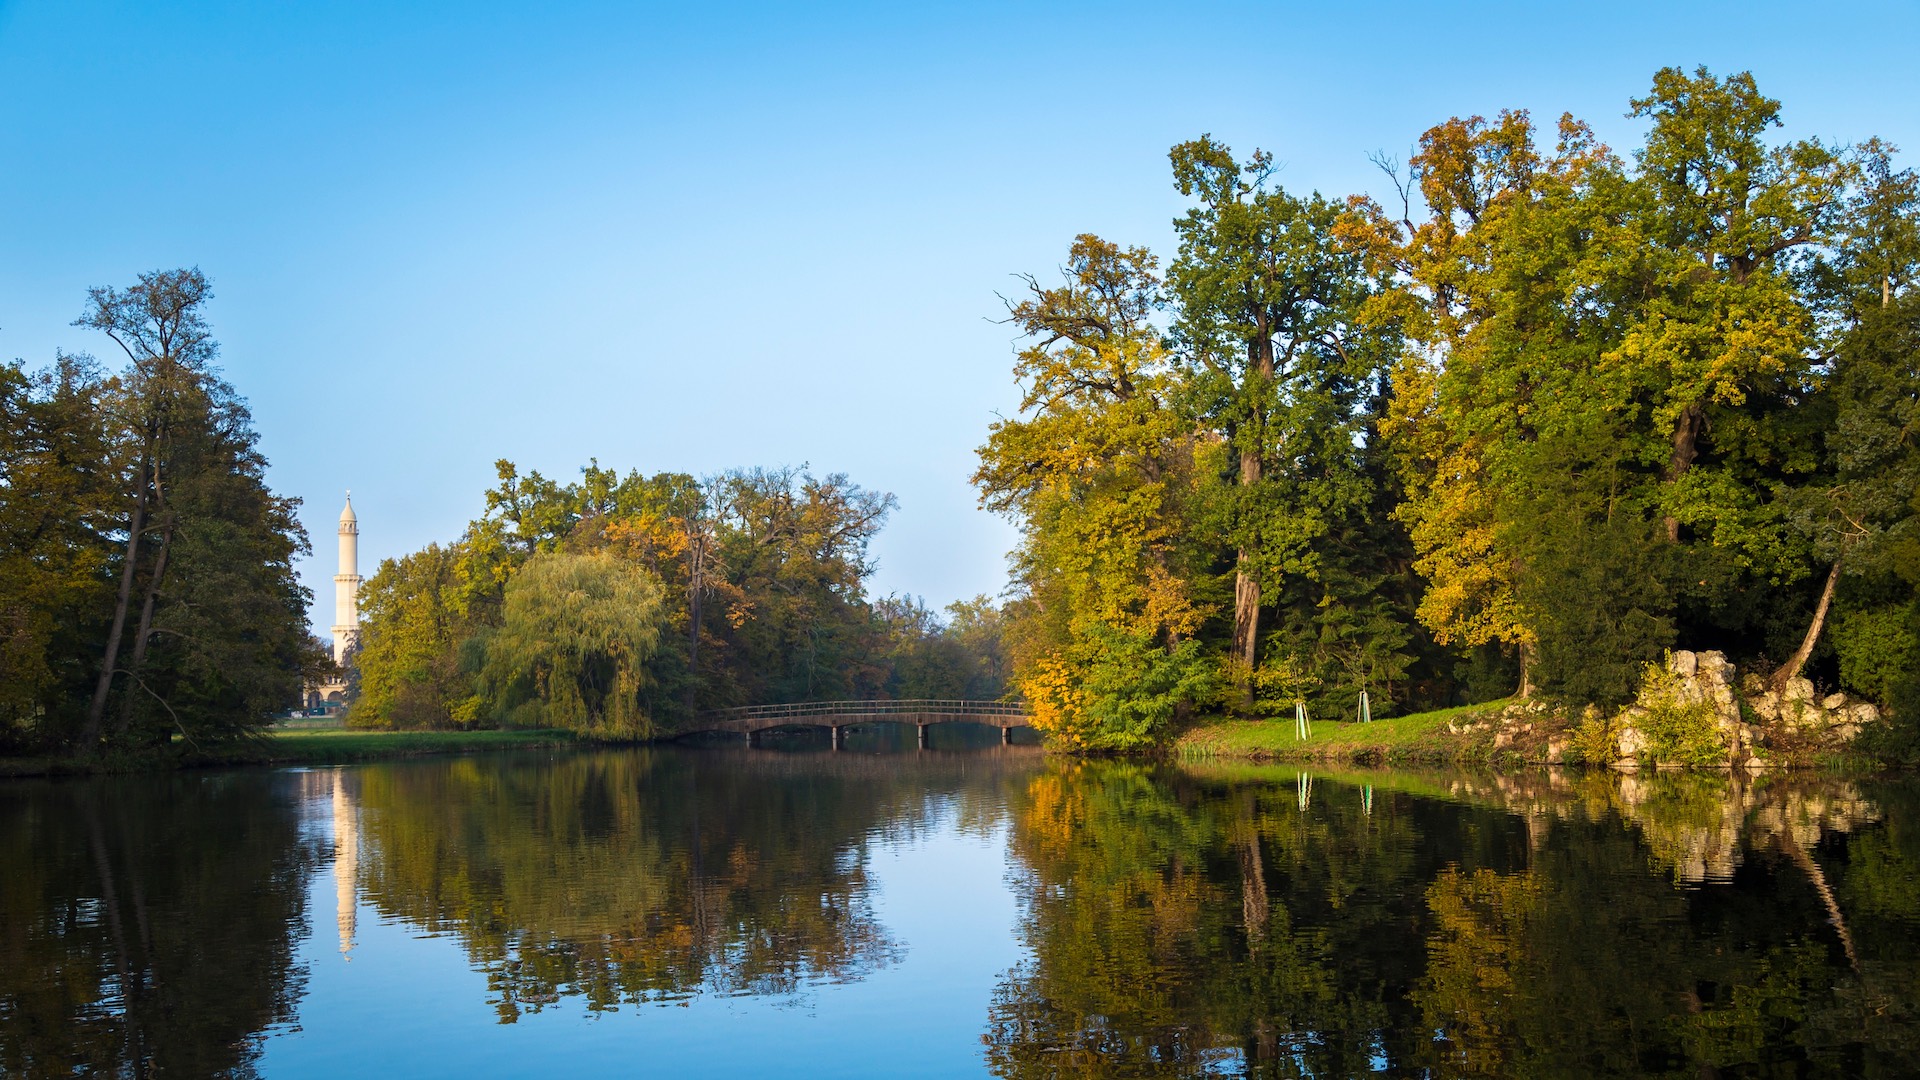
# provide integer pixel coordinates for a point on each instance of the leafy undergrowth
(1417, 737)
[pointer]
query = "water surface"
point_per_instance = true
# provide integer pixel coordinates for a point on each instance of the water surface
(978, 910)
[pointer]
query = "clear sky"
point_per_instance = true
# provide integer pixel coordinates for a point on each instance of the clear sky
(694, 237)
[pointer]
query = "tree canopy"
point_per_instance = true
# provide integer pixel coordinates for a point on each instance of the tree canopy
(1548, 412)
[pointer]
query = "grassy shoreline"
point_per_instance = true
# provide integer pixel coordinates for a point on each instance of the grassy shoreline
(336, 746)
(1427, 738)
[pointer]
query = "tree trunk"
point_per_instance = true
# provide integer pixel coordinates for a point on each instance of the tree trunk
(142, 635)
(1835, 916)
(1526, 671)
(97, 711)
(1246, 603)
(1246, 594)
(1791, 669)
(1246, 587)
(1686, 446)
(696, 572)
(1255, 907)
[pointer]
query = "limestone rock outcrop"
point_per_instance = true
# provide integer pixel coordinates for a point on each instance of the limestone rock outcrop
(1705, 681)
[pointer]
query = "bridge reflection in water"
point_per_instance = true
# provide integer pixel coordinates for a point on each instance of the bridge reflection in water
(838, 716)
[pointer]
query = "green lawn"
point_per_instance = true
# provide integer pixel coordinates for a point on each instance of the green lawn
(334, 746)
(340, 745)
(1419, 737)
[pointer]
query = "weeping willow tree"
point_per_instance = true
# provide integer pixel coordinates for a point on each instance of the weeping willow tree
(571, 651)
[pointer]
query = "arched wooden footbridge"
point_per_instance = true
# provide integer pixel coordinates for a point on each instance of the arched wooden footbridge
(838, 716)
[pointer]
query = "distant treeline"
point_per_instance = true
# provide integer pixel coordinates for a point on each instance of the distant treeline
(621, 606)
(1544, 414)
(146, 572)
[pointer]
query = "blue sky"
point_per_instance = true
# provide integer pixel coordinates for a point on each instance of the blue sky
(689, 238)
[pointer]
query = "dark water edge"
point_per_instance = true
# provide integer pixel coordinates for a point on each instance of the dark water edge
(352, 747)
(957, 911)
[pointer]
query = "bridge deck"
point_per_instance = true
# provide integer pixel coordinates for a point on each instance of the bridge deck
(839, 714)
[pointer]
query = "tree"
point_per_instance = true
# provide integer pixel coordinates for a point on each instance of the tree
(571, 651)
(1108, 480)
(1268, 321)
(793, 551)
(159, 325)
(60, 486)
(409, 663)
(1861, 514)
(222, 639)
(1718, 215)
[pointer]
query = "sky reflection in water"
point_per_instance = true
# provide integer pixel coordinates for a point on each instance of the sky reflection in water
(721, 911)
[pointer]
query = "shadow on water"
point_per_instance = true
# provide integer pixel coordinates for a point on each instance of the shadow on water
(1271, 922)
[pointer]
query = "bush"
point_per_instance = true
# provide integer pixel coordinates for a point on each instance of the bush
(1677, 732)
(1595, 740)
(1116, 691)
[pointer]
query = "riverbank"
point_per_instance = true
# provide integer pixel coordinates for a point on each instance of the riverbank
(1504, 734)
(1444, 736)
(322, 747)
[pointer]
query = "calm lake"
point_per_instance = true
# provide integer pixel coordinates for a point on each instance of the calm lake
(977, 909)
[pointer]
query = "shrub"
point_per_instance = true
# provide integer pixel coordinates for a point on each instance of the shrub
(1677, 732)
(1595, 740)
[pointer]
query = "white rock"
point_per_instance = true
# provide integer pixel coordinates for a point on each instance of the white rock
(1864, 713)
(1844, 732)
(1683, 664)
(1833, 701)
(1798, 690)
(1632, 742)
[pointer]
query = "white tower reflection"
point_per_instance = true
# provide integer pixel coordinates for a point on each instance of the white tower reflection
(346, 860)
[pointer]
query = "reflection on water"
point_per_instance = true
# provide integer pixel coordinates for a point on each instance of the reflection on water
(643, 876)
(147, 924)
(1170, 921)
(1260, 922)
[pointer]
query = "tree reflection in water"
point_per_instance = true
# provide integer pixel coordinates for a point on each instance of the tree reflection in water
(1176, 921)
(147, 924)
(652, 876)
(1191, 922)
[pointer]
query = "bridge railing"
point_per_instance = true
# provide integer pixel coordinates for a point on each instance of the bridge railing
(949, 707)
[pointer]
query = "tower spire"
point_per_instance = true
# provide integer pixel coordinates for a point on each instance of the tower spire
(346, 586)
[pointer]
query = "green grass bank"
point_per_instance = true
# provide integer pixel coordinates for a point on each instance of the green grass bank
(335, 746)
(1431, 738)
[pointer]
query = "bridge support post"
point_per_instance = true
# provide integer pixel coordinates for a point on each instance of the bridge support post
(839, 737)
(753, 738)
(923, 735)
(1006, 736)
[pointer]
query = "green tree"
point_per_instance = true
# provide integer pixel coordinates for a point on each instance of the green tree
(573, 643)
(1862, 514)
(158, 323)
(408, 660)
(59, 480)
(205, 633)
(1268, 321)
(1108, 481)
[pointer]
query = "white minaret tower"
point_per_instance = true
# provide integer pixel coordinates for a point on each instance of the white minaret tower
(346, 586)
